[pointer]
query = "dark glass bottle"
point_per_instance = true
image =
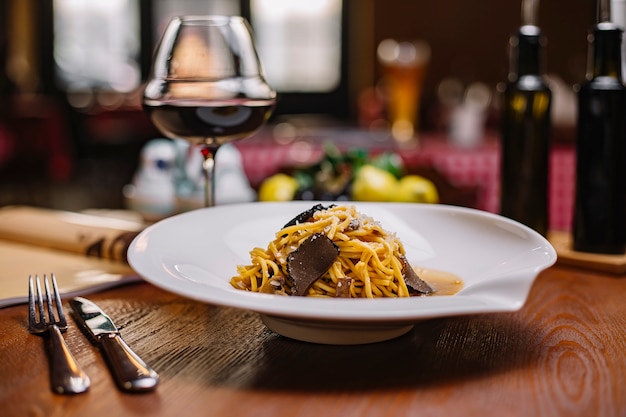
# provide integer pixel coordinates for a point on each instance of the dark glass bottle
(600, 203)
(526, 129)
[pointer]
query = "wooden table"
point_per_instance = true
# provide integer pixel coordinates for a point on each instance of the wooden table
(563, 354)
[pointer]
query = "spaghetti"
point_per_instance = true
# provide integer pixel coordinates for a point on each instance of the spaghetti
(371, 262)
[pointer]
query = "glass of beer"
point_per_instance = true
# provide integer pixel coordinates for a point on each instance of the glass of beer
(403, 67)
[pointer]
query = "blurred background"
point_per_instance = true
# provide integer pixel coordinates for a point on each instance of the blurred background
(71, 75)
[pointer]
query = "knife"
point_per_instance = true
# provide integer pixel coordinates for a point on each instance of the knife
(130, 372)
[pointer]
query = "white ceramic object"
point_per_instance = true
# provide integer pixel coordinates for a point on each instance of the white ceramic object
(196, 253)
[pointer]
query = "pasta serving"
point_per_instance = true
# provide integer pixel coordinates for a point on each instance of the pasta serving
(337, 252)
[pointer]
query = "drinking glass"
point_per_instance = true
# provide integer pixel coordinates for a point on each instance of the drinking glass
(207, 86)
(404, 67)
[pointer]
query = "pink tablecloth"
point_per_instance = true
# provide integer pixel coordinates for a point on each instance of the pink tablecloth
(481, 167)
(478, 167)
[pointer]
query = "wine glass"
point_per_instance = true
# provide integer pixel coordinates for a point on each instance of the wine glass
(207, 86)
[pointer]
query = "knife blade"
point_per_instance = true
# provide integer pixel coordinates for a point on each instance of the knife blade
(130, 372)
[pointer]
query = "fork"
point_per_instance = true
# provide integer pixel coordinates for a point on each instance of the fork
(66, 376)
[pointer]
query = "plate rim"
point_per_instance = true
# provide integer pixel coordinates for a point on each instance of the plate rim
(388, 310)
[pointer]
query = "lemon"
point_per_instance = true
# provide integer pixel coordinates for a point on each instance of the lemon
(373, 184)
(278, 187)
(391, 162)
(416, 189)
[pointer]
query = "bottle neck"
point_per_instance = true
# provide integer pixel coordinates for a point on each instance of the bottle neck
(605, 44)
(526, 53)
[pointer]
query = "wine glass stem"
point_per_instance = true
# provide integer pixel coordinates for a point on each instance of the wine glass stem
(208, 167)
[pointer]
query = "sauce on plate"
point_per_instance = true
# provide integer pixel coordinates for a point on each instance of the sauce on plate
(442, 282)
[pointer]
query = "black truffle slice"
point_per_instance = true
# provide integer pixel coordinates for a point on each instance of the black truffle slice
(343, 287)
(310, 261)
(415, 284)
(307, 214)
(274, 286)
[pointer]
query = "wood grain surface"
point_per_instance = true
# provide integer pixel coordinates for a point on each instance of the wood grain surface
(562, 354)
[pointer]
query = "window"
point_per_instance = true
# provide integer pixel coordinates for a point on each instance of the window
(302, 45)
(299, 43)
(97, 44)
(107, 45)
(164, 10)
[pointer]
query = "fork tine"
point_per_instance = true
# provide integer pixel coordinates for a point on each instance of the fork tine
(39, 301)
(32, 318)
(49, 306)
(57, 299)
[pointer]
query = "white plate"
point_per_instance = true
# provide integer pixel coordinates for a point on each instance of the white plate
(196, 253)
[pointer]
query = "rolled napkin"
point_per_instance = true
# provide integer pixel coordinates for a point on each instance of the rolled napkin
(87, 252)
(87, 234)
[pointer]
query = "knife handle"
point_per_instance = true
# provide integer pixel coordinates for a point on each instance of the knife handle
(130, 372)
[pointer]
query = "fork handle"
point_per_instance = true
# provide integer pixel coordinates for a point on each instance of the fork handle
(131, 373)
(66, 376)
